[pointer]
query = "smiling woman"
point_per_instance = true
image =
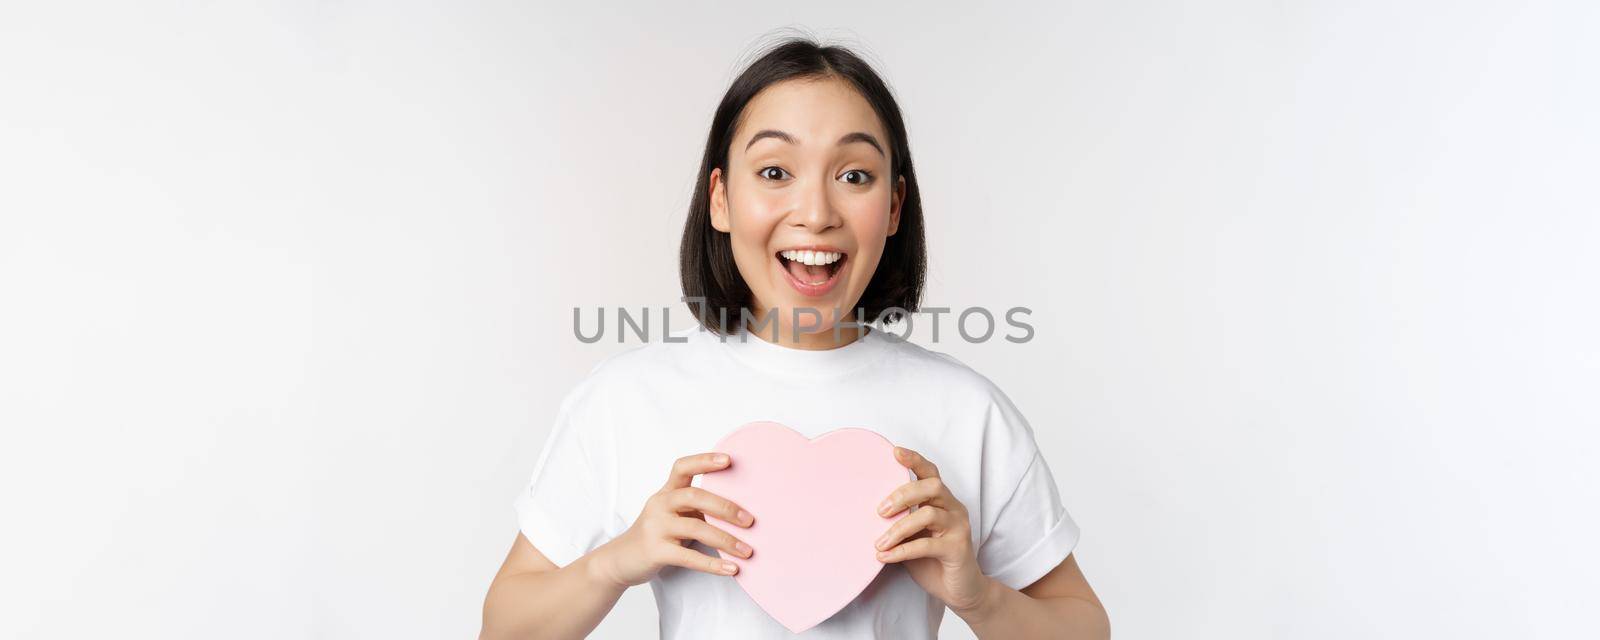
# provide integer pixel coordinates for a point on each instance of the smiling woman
(806, 205)
(807, 199)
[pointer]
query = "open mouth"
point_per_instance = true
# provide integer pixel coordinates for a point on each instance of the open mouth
(812, 272)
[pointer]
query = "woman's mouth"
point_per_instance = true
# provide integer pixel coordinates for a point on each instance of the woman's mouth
(812, 272)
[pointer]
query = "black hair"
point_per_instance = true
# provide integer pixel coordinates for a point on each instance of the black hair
(712, 286)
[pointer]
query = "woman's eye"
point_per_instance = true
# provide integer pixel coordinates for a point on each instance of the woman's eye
(857, 176)
(773, 173)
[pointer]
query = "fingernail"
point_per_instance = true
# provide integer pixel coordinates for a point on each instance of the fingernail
(730, 568)
(883, 556)
(883, 509)
(744, 549)
(881, 541)
(745, 518)
(720, 459)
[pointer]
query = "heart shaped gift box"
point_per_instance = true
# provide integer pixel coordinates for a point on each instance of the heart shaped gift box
(815, 504)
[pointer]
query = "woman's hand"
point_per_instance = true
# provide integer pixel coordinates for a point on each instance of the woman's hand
(671, 518)
(934, 541)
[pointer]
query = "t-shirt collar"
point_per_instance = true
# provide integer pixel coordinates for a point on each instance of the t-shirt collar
(777, 358)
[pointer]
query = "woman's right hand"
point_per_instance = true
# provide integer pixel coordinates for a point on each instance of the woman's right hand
(671, 518)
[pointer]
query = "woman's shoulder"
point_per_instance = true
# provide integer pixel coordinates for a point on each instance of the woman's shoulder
(943, 370)
(963, 389)
(644, 363)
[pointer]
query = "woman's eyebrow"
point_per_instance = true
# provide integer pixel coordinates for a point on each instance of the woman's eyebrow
(769, 133)
(858, 136)
(861, 136)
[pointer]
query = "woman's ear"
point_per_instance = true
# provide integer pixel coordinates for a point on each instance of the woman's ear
(719, 202)
(897, 199)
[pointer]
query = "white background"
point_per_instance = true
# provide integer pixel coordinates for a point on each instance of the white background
(286, 293)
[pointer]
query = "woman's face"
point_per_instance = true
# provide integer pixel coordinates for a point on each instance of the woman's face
(807, 201)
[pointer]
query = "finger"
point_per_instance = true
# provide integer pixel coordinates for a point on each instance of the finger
(681, 556)
(930, 491)
(932, 547)
(908, 526)
(686, 468)
(692, 529)
(697, 499)
(916, 463)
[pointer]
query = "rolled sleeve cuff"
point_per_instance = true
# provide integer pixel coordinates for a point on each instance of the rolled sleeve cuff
(545, 533)
(1044, 556)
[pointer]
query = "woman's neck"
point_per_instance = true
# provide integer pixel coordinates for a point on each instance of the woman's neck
(825, 339)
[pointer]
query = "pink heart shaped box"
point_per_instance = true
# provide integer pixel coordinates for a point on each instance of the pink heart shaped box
(815, 504)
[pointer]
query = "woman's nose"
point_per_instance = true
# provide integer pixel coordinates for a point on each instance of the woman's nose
(814, 209)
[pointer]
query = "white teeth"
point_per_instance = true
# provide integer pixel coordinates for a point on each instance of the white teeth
(814, 258)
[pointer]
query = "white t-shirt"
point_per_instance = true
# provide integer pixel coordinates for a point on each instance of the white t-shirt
(618, 432)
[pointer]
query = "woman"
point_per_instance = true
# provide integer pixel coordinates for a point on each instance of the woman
(806, 218)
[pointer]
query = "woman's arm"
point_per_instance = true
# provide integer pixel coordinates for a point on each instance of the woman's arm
(1059, 605)
(934, 544)
(531, 598)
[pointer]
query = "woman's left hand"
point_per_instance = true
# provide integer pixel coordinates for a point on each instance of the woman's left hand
(934, 542)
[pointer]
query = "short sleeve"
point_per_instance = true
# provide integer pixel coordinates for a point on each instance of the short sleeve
(1032, 532)
(566, 508)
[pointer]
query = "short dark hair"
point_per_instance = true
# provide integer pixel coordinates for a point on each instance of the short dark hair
(705, 258)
